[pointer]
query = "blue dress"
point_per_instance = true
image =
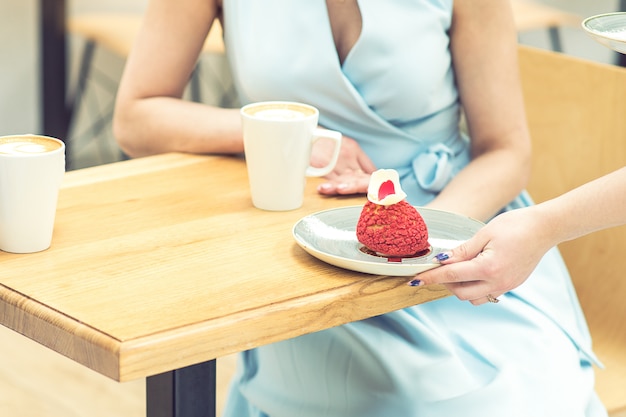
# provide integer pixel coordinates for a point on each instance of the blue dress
(529, 355)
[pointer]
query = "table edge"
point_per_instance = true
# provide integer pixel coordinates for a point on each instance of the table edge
(152, 354)
(65, 335)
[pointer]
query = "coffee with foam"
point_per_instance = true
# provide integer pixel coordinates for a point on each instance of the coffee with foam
(278, 137)
(280, 111)
(28, 145)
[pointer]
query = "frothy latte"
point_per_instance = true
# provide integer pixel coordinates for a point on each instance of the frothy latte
(27, 145)
(280, 111)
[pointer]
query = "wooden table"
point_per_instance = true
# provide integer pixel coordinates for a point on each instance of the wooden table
(159, 265)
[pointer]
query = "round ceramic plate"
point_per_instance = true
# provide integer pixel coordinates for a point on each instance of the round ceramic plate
(609, 29)
(330, 236)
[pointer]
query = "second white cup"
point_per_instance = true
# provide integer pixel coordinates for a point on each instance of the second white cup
(31, 171)
(278, 137)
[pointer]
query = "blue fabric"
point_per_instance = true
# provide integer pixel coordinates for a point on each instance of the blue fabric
(529, 355)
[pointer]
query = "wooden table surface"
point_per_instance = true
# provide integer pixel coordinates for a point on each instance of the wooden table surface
(162, 262)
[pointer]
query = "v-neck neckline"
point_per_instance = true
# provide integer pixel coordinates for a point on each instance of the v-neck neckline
(343, 57)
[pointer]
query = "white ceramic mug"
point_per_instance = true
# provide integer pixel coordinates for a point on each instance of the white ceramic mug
(278, 137)
(31, 171)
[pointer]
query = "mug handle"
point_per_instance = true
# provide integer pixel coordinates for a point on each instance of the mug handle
(328, 134)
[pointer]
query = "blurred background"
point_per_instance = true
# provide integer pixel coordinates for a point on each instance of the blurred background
(20, 83)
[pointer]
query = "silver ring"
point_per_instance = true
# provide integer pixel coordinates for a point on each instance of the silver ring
(492, 299)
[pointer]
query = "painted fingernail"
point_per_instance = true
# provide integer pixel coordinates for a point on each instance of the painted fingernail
(415, 283)
(442, 256)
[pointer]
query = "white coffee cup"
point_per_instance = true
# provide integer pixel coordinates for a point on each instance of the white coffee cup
(278, 137)
(31, 171)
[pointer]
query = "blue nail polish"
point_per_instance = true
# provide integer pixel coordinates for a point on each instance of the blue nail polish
(415, 283)
(442, 257)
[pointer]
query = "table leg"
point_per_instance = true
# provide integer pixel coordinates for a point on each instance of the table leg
(185, 392)
(621, 58)
(55, 115)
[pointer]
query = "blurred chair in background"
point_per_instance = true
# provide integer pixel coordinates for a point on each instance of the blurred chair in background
(532, 15)
(93, 97)
(575, 111)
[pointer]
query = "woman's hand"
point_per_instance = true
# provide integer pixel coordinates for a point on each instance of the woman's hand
(499, 258)
(351, 175)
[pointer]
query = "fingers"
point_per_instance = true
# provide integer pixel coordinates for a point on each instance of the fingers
(350, 182)
(365, 163)
(465, 280)
(475, 292)
(488, 299)
(352, 171)
(460, 263)
(454, 269)
(466, 251)
(463, 263)
(466, 272)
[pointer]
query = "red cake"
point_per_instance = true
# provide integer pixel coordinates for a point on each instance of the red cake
(388, 224)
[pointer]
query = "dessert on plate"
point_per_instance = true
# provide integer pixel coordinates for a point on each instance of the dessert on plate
(388, 224)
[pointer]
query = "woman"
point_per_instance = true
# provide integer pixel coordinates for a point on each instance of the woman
(392, 77)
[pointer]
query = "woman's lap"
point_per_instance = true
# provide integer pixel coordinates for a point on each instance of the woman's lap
(445, 357)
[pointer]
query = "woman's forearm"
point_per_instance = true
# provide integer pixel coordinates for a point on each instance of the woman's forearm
(486, 185)
(153, 125)
(597, 205)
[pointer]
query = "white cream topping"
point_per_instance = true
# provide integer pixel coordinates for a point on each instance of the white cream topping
(381, 177)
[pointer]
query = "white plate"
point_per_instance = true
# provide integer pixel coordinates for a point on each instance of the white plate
(330, 236)
(609, 29)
